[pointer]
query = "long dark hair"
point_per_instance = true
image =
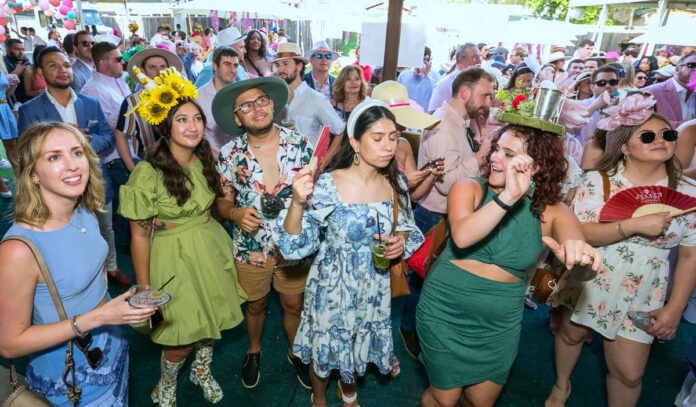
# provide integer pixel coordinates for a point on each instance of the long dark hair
(175, 178)
(521, 69)
(546, 149)
(247, 41)
(345, 155)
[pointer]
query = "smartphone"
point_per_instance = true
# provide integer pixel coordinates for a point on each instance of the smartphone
(431, 163)
(641, 319)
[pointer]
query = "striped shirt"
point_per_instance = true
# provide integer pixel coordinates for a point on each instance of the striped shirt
(140, 132)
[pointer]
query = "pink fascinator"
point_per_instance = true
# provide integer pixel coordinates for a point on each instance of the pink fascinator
(631, 110)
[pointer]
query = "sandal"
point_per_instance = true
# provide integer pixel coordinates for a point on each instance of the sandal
(342, 396)
(557, 394)
(396, 370)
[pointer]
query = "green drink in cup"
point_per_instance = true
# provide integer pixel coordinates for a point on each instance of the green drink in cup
(378, 247)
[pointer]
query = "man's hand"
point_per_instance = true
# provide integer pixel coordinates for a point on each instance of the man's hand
(19, 69)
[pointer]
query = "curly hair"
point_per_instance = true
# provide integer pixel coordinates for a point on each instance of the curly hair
(174, 177)
(340, 83)
(546, 149)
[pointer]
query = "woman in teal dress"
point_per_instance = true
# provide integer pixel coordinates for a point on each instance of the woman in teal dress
(176, 186)
(470, 311)
(346, 320)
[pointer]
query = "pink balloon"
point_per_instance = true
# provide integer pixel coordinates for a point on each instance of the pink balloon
(54, 3)
(3, 38)
(2, 12)
(9, 11)
(69, 24)
(63, 10)
(48, 12)
(2, 30)
(43, 5)
(67, 3)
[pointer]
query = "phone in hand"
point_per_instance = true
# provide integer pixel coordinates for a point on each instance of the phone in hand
(641, 319)
(431, 163)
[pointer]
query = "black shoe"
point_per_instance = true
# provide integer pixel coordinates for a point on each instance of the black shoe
(410, 341)
(302, 371)
(250, 370)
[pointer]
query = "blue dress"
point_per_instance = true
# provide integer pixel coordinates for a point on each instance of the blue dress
(346, 321)
(76, 263)
(8, 125)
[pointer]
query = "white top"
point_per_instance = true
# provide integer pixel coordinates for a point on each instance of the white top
(311, 111)
(67, 113)
(215, 136)
(688, 107)
(443, 91)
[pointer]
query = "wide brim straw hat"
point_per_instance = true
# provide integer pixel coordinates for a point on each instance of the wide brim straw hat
(557, 56)
(225, 99)
(137, 60)
(289, 50)
(395, 95)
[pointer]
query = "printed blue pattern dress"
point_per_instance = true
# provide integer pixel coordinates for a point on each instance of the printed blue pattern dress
(346, 321)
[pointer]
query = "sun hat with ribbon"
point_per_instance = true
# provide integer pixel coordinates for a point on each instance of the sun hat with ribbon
(359, 110)
(406, 111)
(632, 110)
(321, 46)
(289, 50)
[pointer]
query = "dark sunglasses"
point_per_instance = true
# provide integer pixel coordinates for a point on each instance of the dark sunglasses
(88, 43)
(649, 136)
(323, 56)
(660, 80)
(94, 356)
(641, 78)
(604, 82)
(118, 58)
(690, 65)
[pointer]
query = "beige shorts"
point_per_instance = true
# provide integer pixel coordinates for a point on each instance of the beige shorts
(256, 281)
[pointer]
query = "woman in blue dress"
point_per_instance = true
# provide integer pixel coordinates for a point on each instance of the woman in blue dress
(8, 126)
(346, 321)
(59, 186)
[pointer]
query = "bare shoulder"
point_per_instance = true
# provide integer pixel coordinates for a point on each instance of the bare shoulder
(465, 185)
(557, 211)
(16, 259)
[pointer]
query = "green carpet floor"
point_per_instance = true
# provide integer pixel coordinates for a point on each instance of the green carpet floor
(529, 383)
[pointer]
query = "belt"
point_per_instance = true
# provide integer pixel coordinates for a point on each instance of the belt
(3, 101)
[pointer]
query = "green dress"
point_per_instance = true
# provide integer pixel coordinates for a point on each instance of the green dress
(206, 296)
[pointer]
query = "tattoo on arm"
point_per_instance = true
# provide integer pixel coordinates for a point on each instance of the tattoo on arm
(145, 224)
(160, 226)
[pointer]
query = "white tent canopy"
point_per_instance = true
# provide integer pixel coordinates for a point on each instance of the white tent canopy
(683, 35)
(264, 8)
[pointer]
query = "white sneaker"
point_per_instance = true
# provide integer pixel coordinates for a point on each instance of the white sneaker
(5, 164)
(6, 195)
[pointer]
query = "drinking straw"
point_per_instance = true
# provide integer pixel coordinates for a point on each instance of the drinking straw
(163, 285)
(379, 233)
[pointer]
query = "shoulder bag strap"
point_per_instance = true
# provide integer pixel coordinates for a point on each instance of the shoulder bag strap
(606, 185)
(396, 211)
(152, 228)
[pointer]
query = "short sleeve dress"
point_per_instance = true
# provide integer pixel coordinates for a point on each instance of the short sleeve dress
(634, 271)
(206, 296)
(346, 321)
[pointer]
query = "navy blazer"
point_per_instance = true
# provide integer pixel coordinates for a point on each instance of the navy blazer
(308, 80)
(89, 116)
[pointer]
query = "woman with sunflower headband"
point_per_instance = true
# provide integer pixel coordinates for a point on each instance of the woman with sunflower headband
(470, 311)
(168, 199)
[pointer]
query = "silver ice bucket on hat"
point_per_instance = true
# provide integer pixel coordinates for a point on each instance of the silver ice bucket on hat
(548, 104)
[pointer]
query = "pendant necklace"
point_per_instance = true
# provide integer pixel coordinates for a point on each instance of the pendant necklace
(80, 228)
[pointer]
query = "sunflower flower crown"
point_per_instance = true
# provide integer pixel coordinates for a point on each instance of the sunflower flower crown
(160, 94)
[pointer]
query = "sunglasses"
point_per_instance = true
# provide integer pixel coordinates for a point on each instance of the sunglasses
(88, 43)
(94, 356)
(118, 59)
(641, 78)
(649, 136)
(660, 80)
(247, 107)
(322, 56)
(690, 65)
(604, 82)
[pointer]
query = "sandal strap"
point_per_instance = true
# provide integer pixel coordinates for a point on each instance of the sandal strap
(345, 398)
(558, 394)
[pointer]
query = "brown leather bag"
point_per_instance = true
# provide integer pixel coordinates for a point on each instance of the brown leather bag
(398, 271)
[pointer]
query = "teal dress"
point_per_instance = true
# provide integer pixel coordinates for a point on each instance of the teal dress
(469, 326)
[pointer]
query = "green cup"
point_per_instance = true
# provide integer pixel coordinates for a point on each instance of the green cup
(379, 261)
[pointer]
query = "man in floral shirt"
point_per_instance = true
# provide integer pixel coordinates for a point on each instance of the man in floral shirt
(256, 172)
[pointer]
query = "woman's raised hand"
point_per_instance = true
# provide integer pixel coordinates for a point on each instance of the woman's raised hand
(653, 225)
(302, 185)
(518, 178)
(574, 253)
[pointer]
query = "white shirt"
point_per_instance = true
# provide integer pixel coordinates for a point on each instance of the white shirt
(443, 91)
(67, 113)
(213, 133)
(311, 111)
(36, 40)
(688, 107)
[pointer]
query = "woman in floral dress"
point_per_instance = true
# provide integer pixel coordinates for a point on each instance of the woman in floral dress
(635, 269)
(346, 321)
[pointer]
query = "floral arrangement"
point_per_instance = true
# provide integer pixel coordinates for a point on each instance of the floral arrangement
(517, 100)
(161, 94)
(133, 27)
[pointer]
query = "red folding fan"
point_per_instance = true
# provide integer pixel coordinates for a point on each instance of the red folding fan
(640, 201)
(320, 152)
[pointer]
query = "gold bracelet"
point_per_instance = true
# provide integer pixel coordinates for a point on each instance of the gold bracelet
(621, 232)
(230, 214)
(76, 329)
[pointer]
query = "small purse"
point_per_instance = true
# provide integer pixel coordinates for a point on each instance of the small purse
(22, 396)
(435, 241)
(398, 271)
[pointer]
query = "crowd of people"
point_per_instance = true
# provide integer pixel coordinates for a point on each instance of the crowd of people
(198, 153)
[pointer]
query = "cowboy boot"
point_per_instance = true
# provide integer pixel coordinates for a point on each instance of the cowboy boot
(200, 371)
(165, 391)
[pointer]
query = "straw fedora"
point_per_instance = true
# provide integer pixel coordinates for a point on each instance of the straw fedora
(601, 56)
(138, 58)
(288, 50)
(228, 37)
(225, 98)
(396, 96)
(557, 56)
(321, 46)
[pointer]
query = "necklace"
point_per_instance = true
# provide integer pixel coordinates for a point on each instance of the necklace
(262, 144)
(80, 228)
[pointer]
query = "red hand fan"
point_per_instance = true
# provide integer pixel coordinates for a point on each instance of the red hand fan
(320, 152)
(640, 201)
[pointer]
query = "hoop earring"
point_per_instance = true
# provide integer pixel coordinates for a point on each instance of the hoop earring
(356, 159)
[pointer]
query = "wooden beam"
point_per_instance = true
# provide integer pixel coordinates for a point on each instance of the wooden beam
(393, 37)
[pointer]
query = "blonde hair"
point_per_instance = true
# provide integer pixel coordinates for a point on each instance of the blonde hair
(629, 78)
(339, 83)
(29, 205)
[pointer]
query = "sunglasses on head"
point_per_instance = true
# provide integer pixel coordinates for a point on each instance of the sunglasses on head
(94, 356)
(88, 43)
(604, 82)
(649, 136)
(690, 65)
(322, 56)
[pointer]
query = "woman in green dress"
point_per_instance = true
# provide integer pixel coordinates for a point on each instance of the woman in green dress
(470, 311)
(172, 192)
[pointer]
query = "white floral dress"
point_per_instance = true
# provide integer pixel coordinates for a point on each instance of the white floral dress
(634, 271)
(346, 320)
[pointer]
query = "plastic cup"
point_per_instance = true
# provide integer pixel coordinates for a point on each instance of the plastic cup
(12, 79)
(379, 261)
(287, 123)
(140, 288)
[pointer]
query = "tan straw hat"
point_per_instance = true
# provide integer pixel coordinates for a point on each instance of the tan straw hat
(138, 58)
(288, 50)
(396, 96)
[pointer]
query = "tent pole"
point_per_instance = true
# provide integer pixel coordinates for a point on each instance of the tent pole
(393, 38)
(600, 28)
(80, 17)
(661, 7)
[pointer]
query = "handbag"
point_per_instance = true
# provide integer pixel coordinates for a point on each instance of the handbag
(22, 396)
(398, 271)
(435, 241)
